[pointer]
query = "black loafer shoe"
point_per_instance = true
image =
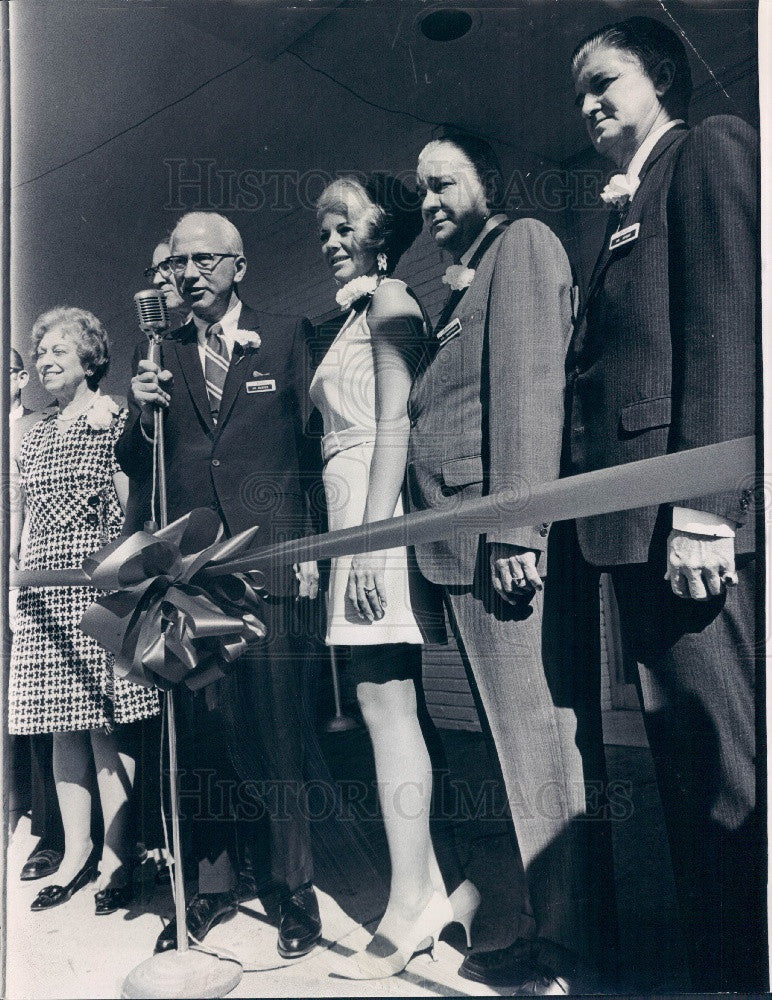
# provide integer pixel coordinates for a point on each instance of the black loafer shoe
(115, 897)
(508, 966)
(530, 968)
(55, 895)
(204, 911)
(41, 863)
(300, 926)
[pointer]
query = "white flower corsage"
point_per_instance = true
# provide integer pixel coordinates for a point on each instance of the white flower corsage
(458, 276)
(102, 412)
(247, 338)
(356, 289)
(619, 191)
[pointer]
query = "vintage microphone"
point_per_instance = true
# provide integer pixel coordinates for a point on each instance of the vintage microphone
(153, 319)
(180, 973)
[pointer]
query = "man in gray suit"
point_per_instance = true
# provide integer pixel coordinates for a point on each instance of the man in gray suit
(487, 414)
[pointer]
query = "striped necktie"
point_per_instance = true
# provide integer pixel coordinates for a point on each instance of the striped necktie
(215, 367)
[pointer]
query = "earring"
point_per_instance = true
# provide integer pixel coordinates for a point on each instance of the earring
(382, 262)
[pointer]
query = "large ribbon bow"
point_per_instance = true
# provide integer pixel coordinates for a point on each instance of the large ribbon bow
(166, 621)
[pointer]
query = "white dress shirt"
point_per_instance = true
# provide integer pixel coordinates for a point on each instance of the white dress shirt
(632, 176)
(229, 324)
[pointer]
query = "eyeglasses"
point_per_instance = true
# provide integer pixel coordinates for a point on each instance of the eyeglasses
(203, 262)
(162, 267)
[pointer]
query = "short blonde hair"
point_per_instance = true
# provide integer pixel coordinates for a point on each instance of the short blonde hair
(390, 216)
(86, 332)
(338, 196)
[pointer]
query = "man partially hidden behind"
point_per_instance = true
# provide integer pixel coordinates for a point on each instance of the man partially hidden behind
(232, 399)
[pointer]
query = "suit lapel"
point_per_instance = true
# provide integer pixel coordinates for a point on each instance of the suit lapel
(239, 369)
(457, 294)
(186, 346)
(665, 142)
(629, 214)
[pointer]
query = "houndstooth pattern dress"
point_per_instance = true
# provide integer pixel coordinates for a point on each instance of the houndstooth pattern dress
(62, 680)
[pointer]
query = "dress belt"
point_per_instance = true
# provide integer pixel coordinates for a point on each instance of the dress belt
(337, 441)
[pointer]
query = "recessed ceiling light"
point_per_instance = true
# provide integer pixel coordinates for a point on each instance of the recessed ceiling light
(446, 24)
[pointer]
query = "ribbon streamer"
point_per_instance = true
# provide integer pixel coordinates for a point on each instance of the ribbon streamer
(714, 468)
(163, 623)
(184, 603)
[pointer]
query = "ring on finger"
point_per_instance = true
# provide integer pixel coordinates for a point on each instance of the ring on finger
(369, 590)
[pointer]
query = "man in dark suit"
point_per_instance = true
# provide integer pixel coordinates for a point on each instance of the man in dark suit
(486, 413)
(233, 399)
(665, 360)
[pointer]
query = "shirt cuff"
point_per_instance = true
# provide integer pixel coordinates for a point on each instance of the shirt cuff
(701, 522)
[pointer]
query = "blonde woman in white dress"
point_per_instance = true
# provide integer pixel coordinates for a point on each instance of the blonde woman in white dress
(379, 604)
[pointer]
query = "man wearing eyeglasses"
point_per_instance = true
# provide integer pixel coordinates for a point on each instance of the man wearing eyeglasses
(159, 274)
(233, 399)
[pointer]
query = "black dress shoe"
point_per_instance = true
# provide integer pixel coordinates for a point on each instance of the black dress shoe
(116, 897)
(55, 895)
(508, 966)
(42, 862)
(300, 926)
(204, 911)
(529, 968)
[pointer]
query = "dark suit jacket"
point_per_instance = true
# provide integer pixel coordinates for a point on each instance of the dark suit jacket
(486, 408)
(665, 357)
(255, 466)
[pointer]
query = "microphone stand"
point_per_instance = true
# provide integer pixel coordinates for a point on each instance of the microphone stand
(183, 972)
(339, 723)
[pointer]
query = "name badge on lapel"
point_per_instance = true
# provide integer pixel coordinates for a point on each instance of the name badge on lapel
(262, 385)
(624, 236)
(448, 332)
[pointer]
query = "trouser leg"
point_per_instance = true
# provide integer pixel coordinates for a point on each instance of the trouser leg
(45, 815)
(535, 739)
(696, 669)
(212, 815)
(266, 731)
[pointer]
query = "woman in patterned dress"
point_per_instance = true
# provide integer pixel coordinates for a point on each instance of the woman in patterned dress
(379, 604)
(61, 680)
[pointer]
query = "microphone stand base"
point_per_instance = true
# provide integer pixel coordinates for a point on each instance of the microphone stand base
(182, 974)
(340, 724)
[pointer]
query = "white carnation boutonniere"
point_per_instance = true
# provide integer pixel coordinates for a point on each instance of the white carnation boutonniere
(247, 338)
(358, 288)
(619, 191)
(102, 412)
(458, 276)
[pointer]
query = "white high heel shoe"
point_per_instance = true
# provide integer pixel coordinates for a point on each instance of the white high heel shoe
(465, 901)
(423, 935)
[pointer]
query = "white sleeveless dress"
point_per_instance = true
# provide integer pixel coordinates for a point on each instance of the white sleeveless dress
(343, 389)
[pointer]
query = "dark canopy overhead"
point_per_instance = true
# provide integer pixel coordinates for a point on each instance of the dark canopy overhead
(114, 103)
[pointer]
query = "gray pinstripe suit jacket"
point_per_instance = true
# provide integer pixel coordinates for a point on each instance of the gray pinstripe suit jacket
(486, 408)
